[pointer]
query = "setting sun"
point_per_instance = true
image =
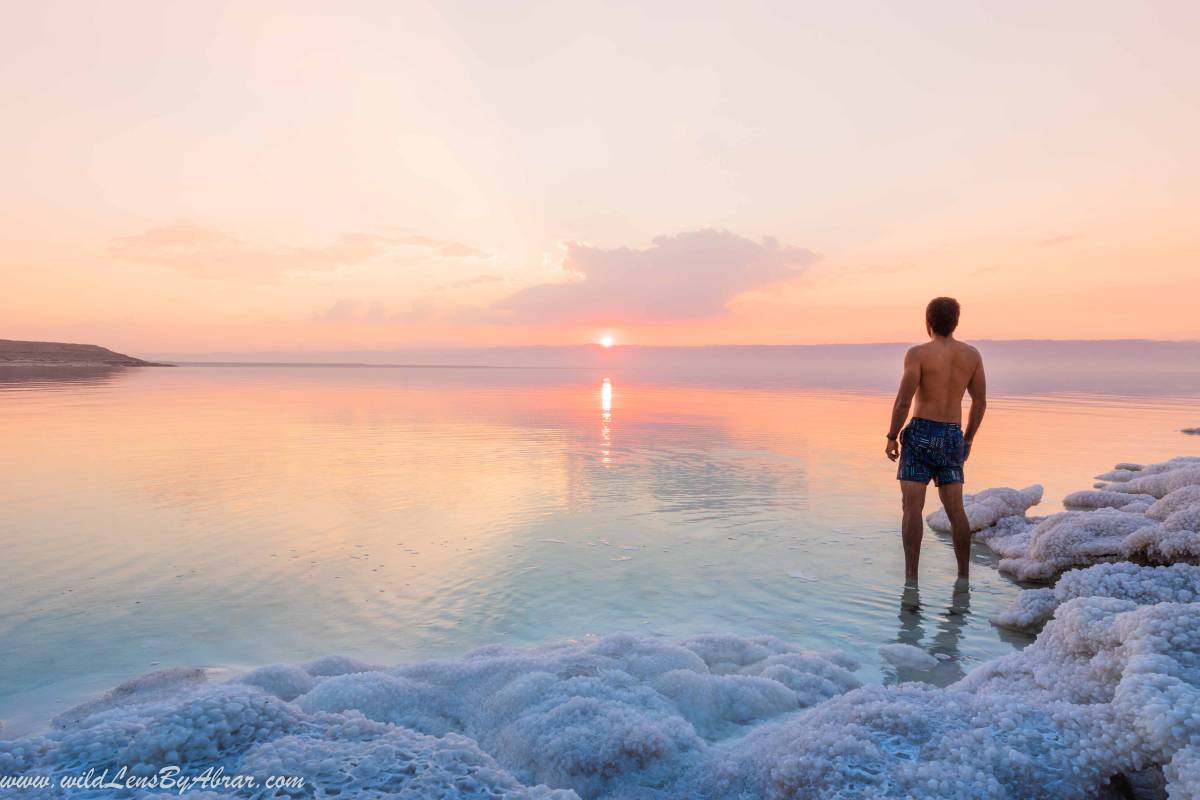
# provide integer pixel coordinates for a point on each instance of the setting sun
(606, 341)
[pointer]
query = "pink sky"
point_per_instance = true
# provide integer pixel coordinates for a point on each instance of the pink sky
(292, 175)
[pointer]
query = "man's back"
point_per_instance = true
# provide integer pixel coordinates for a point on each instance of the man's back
(947, 367)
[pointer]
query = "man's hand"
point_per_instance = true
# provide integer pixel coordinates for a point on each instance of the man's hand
(893, 449)
(966, 451)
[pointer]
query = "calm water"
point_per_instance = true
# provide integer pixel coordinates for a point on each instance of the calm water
(233, 516)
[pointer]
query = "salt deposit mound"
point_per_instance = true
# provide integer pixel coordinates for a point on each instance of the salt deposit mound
(1091, 499)
(593, 718)
(1109, 685)
(1148, 514)
(989, 507)
(1068, 539)
(1126, 471)
(1158, 479)
(1179, 583)
(907, 656)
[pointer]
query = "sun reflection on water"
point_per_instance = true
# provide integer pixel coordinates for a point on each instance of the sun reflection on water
(606, 403)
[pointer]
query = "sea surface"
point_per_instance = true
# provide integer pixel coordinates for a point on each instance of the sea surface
(231, 516)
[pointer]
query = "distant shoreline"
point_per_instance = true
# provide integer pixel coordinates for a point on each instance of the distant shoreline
(65, 355)
(1118, 356)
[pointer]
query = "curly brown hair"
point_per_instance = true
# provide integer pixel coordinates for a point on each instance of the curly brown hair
(941, 315)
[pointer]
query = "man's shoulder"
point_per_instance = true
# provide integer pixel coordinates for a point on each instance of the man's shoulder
(970, 350)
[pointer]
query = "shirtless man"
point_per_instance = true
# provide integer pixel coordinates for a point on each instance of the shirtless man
(939, 373)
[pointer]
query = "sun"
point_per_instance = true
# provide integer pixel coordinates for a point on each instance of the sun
(606, 341)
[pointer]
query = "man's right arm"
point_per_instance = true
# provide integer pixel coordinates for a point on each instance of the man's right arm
(909, 382)
(977, 388)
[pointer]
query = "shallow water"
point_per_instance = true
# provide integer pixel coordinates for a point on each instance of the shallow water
(233, 516)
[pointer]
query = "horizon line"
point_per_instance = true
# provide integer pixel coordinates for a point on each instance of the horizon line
(601, 348)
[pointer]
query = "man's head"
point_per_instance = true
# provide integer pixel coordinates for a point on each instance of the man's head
(941, 316)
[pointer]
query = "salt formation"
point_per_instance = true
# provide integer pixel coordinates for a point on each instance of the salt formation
(1121, 472)
(908, 657)
(1176, 539)
(1112, 684)
(1178, 500)
(1069, 539)
(1179, 583)
(1091, 499)
(989, 507)
(1159, 479)
(1109, 686)
(1149, 514)
(592, 718)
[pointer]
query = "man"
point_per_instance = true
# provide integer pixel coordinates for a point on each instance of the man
(933, 445)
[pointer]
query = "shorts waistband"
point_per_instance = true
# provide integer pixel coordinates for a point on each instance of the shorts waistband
(936, 423)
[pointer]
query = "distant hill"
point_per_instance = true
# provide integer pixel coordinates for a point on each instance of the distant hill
(61, 354)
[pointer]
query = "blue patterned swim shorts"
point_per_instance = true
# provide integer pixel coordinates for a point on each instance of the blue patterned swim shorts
(931, 450)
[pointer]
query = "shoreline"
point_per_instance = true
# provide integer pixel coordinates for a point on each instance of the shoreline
(79, 364)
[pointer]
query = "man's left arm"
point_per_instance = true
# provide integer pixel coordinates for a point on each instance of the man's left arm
(909, 382)
(977, 388)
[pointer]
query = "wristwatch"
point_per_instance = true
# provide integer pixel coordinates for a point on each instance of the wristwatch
(892, 437)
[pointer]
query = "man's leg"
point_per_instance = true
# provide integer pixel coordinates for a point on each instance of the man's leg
(912, 495)
(952, 501)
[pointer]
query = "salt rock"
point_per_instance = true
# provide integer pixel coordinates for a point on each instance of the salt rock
(1109, 686)
(1160, 545)
(989, 506)
(1093, 499)
(1183, 773)
(329, 666)
(1178, 583)
(285, 681)
(1073, 538)
(358, 758)
(908, 656)
(1174, 474)
(1121, 473)
(142, 689)
(1181, 498)
(1126, 519)
(1009, 538)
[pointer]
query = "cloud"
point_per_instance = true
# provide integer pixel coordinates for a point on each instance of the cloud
(684, 276)
(345, 310)
(887, 269)
(1054, 241)
(989, 269)
(468, 282)
(460, 250)
(342, 310)
(207, 252)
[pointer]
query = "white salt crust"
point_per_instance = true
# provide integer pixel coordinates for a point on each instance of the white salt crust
(1112, 684)
(1148, 514)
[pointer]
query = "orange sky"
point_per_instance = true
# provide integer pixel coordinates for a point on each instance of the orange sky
(302, 176)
